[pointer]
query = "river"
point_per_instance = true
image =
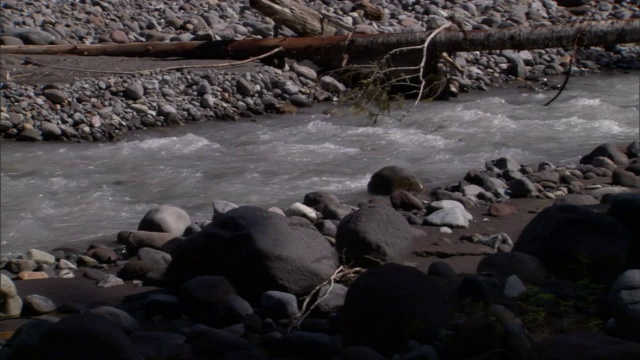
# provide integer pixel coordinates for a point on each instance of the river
(69, 193)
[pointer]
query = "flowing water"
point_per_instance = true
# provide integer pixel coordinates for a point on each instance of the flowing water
(55, 193)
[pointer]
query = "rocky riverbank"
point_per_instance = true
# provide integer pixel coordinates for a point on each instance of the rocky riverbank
(514, 261)
(56, 98)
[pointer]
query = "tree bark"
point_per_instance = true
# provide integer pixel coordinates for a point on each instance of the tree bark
(298, 17)
(362, 48)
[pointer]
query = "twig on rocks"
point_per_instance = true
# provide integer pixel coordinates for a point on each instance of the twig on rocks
(179, 67)
(342, 273)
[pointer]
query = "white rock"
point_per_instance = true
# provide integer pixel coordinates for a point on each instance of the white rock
(514, 287)
(299, 209)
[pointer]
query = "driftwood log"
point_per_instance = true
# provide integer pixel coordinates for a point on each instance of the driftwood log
(300, 18)
(362, 48)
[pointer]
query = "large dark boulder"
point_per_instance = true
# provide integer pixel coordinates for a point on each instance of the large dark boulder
(625, 208)
(394, 303)
(609, 151)
(574, 243)
(372, 236)
(584, 346)
(86, 336)
(528, 268)
(256, 250)
(392, 178)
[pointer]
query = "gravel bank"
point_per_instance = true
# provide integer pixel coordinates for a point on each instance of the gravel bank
(57, 103)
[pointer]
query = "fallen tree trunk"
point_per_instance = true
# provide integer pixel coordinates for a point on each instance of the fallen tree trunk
(362, 48)
(300, 18)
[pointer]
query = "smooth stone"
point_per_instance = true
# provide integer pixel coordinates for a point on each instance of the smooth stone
(299, 209)
(514, 287)
(304, 71)
(20, 265)
(300, 100)
(625, 178)
(38, 305)
(280, 305)
(10, 302)
(134, 92)
(165, 218)
(332, 85)
(117, 316)
(500, 210)
(140, 108)
(32, 275)
(56, 96)
(50, 131)
(109, 280)
(450, 217)
(40, 257)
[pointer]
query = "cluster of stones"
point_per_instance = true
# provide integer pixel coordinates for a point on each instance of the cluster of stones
(235, 287)
(96, 110)
(106, 108)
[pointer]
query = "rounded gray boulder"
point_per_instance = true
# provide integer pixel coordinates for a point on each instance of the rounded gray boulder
(373, 236)
(166, 218)
(391, 178)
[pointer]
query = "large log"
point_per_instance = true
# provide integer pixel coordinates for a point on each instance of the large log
(300, 18)
(363, 47)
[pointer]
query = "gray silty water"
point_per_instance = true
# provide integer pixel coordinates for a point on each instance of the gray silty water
(55, 193)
